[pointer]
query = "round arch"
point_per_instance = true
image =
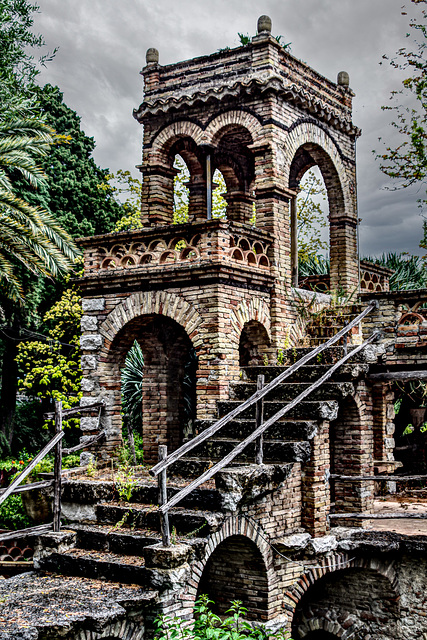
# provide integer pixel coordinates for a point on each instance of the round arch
(233, 118)
(306, 145)
(171, 134)
(243, 527)
(150, 303)
(360, 594)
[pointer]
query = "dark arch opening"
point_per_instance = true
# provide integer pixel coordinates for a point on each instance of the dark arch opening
(236, 571)
(362, 595)
(254, 344)
(169, 382)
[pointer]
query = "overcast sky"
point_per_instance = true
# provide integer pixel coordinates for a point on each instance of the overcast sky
(102, 47)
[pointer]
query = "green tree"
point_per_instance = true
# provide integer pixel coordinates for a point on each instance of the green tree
(28, 233)
(18, 67)
(76, 185)
(406, 162)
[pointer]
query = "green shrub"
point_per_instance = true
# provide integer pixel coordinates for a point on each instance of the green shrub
(208, 626)
(12, 514)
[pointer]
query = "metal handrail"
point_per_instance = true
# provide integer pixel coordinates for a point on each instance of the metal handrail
(258, 395)
(164, 508)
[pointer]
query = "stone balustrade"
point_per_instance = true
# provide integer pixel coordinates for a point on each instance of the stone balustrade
(174, 245)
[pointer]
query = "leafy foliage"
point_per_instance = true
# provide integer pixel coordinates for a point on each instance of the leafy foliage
(409, 272)
(245, 39)
(18, 67)
(407, 162)
(313, 265)
(51, 370)
(131, 378)
(122, 182)
(209, 626)
(28, 233)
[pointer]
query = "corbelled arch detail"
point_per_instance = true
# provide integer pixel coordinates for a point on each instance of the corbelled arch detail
(121, 630)
(237, 118)
(153, 303)
(180, 129)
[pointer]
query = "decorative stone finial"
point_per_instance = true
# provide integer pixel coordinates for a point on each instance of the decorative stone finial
(264, 24)
(152, 55)
(343, 79)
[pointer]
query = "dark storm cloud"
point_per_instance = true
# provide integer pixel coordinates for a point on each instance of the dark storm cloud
(102, 49)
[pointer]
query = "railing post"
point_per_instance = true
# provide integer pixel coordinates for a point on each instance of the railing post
(57, 470)
(345, 345)
(259, 418)
(163, 497)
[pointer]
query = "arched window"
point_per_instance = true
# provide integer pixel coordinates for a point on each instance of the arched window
(181, 193)
(219, 203)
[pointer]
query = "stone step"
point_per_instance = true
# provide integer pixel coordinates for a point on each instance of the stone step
(85, 492)
(274, 451)
(120, 541)
(184, 521)
(316, 410)
(285, 430)
(307, 373)
(287, 391)
(128, 569)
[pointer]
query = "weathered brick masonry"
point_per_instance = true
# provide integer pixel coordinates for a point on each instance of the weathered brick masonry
(222, 291)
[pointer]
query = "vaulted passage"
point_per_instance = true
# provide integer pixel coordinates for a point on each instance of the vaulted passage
(169, 383)
(236, 571)
(356, 601)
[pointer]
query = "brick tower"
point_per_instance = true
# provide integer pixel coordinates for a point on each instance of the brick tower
(215, 294)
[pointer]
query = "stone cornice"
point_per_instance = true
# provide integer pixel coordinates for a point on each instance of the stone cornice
(292, 93)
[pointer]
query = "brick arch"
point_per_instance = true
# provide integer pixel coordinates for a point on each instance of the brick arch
(334, 563)
(123, 629)
(230, 118)
(233, 526)
(256, 309)
(153, 303)
(180, 129)
(311, 133)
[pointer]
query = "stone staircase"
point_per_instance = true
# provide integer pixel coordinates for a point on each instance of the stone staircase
(108, 539)
(330, 320)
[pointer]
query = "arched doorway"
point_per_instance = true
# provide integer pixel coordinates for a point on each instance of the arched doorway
(236, 571)
(254, 344)
(169, 382)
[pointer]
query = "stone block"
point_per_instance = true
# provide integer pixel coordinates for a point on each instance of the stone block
(89, 323)
(157, 555)
(89, 362)
(93, 304)
(88, 424)
(91, 342)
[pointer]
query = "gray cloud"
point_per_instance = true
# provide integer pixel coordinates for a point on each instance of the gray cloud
(102, 49)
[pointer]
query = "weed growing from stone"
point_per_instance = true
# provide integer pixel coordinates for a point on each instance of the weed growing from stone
(125, 483)
(91, 468)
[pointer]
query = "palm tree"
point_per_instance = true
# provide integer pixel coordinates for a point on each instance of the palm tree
(28, 233)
